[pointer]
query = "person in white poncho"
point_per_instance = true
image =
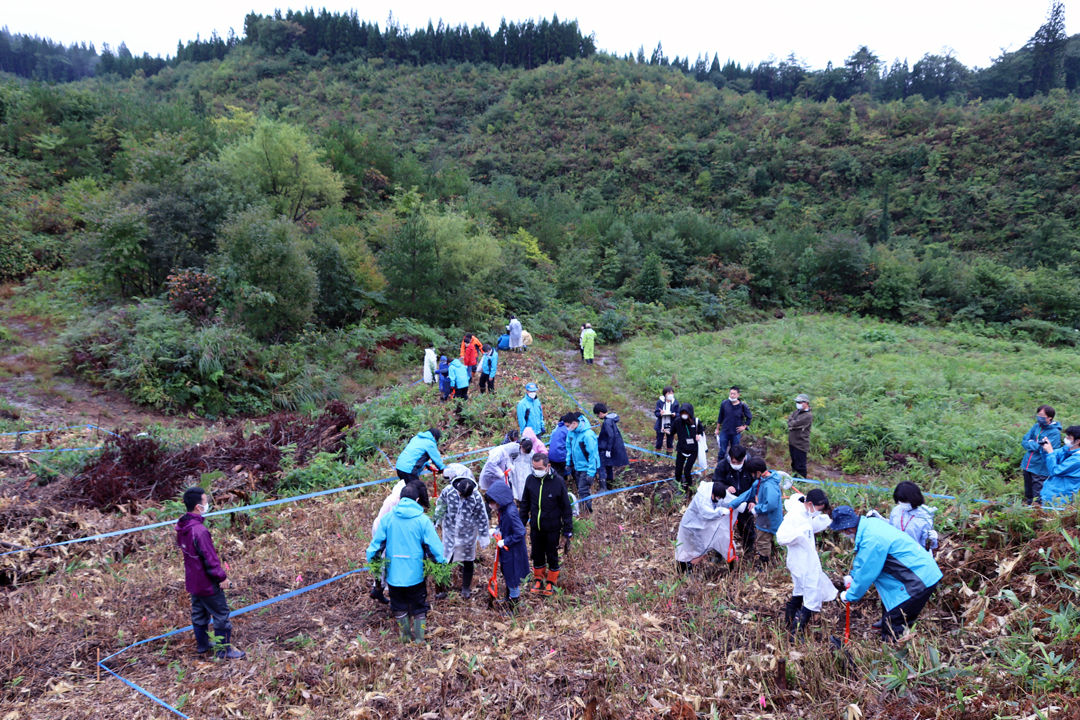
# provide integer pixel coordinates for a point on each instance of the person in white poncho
(806, 516)
(462, 514)
(514, 329)
(706, 525)
(431, 366)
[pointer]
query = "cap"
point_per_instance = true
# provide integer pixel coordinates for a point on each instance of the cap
(844, 518)
(531, 387)
(802, 397)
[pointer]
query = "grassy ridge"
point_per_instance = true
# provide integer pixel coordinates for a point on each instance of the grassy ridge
(954, 404)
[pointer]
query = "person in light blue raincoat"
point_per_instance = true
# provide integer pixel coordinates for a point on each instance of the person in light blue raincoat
(406, 535)
(421, 449)
(489, 364)
(529, 411)
(459, 379)
(582, 455)
(1034, 463)
(886, 557)
(1063, 469)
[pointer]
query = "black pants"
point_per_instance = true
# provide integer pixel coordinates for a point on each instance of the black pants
(461, 393)
(745, 532)
(684, 470)
(584, 489)
(487, 383)
(798, 461)
(545, 548)
(214, 606)
(411, 600)
(608, 479)
(408, 477)
(560, 467)
(1032, 486)
(894, 622)
(660, 440)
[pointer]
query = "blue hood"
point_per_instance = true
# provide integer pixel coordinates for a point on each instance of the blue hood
(501, 493)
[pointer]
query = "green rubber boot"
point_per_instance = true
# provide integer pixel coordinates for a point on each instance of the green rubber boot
(419, 626)
(406, 629)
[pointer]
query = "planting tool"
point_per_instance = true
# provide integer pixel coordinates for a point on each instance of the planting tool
(493, 583)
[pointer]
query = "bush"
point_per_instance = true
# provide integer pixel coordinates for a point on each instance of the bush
(611, 326)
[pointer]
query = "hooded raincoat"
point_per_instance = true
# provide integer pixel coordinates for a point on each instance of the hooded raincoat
(1063, 481)
(581, 448)
(417, 453)
(557, 443)
(459, 374)
(514, 328)
(530, 414)
(202, 568)
(706, 525)
(891, 561)
(431, 366)
(489, 363)
(464, 520)
(1034, 460)
(588, 343)
(500, 460)
(513, 556)
(796, 533)
(404, 534)
(610, 443)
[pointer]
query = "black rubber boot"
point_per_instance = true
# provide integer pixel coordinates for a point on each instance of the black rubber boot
(467, 569)
(202, 638)
(793, 605)
(801, 620)
(377, 593)
(227, 651)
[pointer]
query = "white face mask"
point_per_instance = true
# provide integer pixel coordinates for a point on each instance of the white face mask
(669, 397)
(684, 416)
(540, 473)
(734, 466)
(531, 395)
(206, 507)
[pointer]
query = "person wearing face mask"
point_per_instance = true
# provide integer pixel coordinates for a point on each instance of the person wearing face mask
(798, 424)
(610, 444)
(547, 510)
(529, 411)
(731, 472)
(1062, 469)
(582, 456)
(688, 431)
(763, 499)
(667, 407)
(811, 586)
(733, 418)
(204, 578)
(500, 463)
(705, 526)
(904, 574)
(1034, 463)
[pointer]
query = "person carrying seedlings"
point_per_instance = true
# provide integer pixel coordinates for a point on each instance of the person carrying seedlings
(500, 463)
(764, 500)
(689, 432)
(1062, 469)
(904, 574)
(610, 444)
(431, 366)
(667, 407)
(557, 448)
(588, 344)
(462, 514)
(406, 536)
(806, 516)
(705, 526)
(798, 424)
(513, 556)
(582, 455)
(459, 379)
(489, 363)
(471, 347)
(204, 578)
(444, 379)
(734, 417)
(514, 328)
(732, 473)
(1034, 463)
(421, 450)
(529, 411)
(389, 504)
(549, 513)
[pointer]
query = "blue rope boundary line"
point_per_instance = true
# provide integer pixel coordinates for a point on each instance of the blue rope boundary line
(46, 430)
(568, 393)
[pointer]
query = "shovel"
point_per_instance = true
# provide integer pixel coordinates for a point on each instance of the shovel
(493, 583)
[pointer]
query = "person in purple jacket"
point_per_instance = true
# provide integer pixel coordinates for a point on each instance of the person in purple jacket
(204, 577)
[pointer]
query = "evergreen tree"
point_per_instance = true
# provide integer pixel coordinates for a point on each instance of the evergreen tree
(410, 263)
(1047, 48)
(649, 285)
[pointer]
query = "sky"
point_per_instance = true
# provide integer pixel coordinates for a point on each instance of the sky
(817, 32)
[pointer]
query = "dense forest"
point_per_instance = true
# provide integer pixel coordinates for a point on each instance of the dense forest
(237, 221)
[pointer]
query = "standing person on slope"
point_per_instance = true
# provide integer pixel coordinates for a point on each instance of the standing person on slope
(546, 509)
(667, 407)
(610, 444)
(588, 344)
(689, 432)
(582, 456)
(431, 366)
(462, 513)
(1034, 463)
(798, 424)
(529, 411)
(806, 516)
(733, 418)
(489, 363)
(514, 328)
(471, 347)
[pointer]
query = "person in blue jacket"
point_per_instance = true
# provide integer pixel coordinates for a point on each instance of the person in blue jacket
(418, 452)
(733, 418)
(529, 411)
(1062, 469)
(582, 456)
(610, 443)
(459, 380)
(556, 447)
(886, 557)
(405, 536)
(768, 509)
(444, 378)
(1034, 463)
(489, 363)
(513, 555)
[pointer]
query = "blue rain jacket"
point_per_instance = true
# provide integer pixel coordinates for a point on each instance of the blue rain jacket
(1034, 460)
(489, 363)
(404, 533)
(1063, 483)
(459, 374)
(444, 376)
(415, 455)
(582, 449)
(531, 408)
(769, 507)
(892, 561)
(557, 444)
(514, 558)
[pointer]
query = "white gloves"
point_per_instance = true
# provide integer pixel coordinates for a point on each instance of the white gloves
(501, 545)
(742, 507)
(843, 597)
(875, 514)
(607, 453)
(847, 581)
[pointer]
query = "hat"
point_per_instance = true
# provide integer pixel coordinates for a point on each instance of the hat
(531, 387)
(802, 397)
(844, 518)
(818, 497)
(435, 433)
(599, 408)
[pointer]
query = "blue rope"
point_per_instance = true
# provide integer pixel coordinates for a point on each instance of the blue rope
(568, 393)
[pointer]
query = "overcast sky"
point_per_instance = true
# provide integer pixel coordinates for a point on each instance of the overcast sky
(745, 31)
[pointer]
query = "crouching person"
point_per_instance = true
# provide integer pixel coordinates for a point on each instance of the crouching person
(812, 587)
(706, 525)
(405, 535)
(546, 505)
(204, 578)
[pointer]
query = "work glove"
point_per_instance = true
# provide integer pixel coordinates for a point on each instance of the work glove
(607, 453)
(566, 545)
(742, 507)
(847, 581)
(501, 545)
(843, 597)
(875, 514)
